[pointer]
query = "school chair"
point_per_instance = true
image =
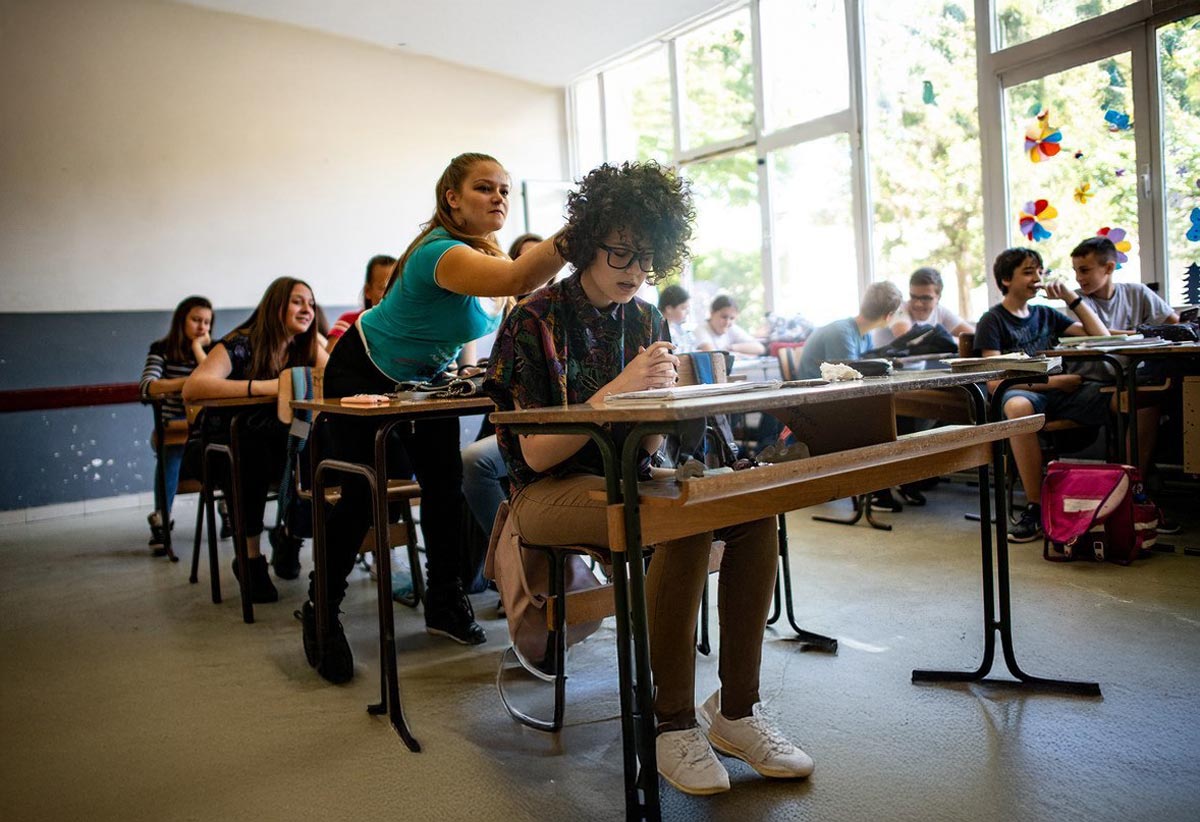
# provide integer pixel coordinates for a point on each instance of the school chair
(299, 383)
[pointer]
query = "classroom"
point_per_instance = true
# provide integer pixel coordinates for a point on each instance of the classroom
(884, 254)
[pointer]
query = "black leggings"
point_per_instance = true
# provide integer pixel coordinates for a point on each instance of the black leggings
(428, 448)
(262, 452)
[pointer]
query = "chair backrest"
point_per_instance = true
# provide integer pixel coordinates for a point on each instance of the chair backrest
(966, 344)
(789, 362)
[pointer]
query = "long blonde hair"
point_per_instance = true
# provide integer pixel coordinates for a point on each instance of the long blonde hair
(452, 179)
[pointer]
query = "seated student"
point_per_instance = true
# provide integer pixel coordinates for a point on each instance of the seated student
(379, 269)
(923, 307)
(279, 334)
(675, 304)
(1122, 307)
(720, 331)
(850, 338)
(1013, 325)
(578, 341)
(448, 289)
(168, 364)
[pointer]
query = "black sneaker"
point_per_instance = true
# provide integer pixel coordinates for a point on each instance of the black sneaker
(338, 665)
(262, 590)
(449, 613)
(884, 501)
(912, 495)
(285, 553)
(1029, 526)
(226, 525)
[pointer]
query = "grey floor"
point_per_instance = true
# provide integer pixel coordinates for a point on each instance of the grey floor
(127, 695)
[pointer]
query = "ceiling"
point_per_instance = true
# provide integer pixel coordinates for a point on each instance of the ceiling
(543, 41)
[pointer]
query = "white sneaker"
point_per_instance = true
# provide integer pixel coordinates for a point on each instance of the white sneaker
(754, 740)
(687, 761)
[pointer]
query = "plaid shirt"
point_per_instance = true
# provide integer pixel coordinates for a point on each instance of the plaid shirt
(556, 349)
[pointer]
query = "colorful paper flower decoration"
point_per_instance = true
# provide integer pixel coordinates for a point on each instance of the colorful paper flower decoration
(1084, 193)
(1117, 235)
(1034, 218)
(1042, 141)
(1117, 120)
(1193, 233)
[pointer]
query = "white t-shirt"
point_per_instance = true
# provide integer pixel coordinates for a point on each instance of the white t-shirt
(941, 315)
(720, 342)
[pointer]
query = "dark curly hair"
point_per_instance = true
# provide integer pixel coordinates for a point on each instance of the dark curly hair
(650, 202)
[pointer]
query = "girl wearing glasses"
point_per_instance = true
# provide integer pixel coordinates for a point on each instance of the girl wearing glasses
(720, 331)
(447, 289)
(580, 340)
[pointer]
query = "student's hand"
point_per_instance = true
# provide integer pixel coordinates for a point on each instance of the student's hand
(1059, 290)
(653, 367)
(469, 371)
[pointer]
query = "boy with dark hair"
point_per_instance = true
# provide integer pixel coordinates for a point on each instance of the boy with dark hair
(1013, 325)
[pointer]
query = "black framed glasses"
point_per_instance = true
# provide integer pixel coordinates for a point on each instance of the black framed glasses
(622, 258)
(921, 298)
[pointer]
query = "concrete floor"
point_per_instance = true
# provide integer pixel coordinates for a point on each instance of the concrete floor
(127, 695)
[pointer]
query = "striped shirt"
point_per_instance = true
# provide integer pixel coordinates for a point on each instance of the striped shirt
(158, 367)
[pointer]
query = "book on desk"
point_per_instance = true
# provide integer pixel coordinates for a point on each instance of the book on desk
(1008, 362)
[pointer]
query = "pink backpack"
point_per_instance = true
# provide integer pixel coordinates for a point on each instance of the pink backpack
(1098, 512)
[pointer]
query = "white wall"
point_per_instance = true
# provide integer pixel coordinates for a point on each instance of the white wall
(150, 150)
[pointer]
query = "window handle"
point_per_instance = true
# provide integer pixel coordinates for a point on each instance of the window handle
(1146, 181)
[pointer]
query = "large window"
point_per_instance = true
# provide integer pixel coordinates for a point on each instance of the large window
(923, 144)
(835, 142)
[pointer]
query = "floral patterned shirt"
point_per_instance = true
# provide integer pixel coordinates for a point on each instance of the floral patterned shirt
(556, 349)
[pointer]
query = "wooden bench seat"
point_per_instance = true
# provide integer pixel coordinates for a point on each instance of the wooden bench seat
(671, 510)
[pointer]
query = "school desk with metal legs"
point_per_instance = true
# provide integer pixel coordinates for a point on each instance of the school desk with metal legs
(405, 408)
(850, 428)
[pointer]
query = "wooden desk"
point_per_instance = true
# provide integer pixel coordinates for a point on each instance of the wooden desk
(856, 451)
(404, 408)
(236, 407)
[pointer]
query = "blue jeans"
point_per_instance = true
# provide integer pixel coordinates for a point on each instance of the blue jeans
(172, 458)
(484, 474)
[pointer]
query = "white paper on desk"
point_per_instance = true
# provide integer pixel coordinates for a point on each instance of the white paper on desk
(684, 392)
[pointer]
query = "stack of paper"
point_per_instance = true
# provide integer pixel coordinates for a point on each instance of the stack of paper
(1006, 362)
(687, 392)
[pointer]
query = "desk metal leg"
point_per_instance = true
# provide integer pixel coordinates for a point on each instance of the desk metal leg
(805, 638)
(862, 508)
(997, 612)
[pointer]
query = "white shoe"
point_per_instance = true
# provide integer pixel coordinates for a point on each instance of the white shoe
(754, 740)
(687, 761)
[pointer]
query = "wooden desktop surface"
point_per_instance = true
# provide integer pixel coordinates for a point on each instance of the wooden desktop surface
(402, 404)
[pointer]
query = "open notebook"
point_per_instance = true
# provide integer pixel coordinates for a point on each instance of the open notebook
(684, 392)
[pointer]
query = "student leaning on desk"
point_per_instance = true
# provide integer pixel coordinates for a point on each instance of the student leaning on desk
(448, 289)
(168, 364)
(585, 338)
(281, 333)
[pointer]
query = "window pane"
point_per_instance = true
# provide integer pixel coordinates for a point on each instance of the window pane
(1021, 20)
(726, 246)
(923, 146)
(805, 73)
(1179, 73)
(637, 107)
(717, 71)
(1078, 127)
(813, 230)
(588, 133)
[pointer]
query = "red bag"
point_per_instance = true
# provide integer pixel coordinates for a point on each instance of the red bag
(1098, 512)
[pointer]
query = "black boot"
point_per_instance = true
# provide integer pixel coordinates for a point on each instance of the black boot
(285, 553)
(262, 590)
(448, 613)
(337, 666)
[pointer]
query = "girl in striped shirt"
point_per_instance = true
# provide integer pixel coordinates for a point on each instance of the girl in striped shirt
(168, 364)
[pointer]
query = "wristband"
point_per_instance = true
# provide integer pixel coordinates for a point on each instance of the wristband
(1074, 303)
(249, 388)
